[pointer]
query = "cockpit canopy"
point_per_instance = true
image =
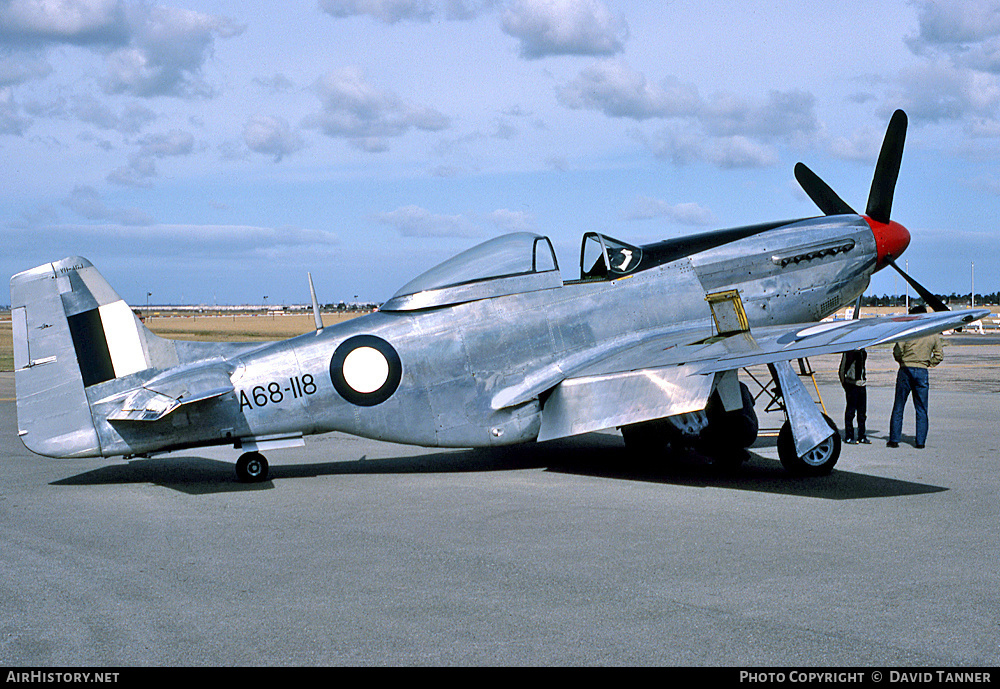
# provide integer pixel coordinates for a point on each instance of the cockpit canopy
(603, 258)
(508, 264)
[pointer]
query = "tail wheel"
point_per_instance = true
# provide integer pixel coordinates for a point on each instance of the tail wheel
(251, 467)
(818, 461)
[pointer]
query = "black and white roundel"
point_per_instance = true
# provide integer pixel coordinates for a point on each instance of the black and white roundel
(365, 370)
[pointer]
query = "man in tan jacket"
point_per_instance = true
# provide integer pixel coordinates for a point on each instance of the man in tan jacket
(915, 357)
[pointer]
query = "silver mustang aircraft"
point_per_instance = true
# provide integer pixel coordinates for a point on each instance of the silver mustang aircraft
(490, 347)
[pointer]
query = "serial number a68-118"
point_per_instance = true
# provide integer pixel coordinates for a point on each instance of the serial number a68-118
(276, 393)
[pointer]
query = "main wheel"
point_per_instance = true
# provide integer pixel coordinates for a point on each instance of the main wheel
(251, 467)
(735, 429)
(644, 439)
(818, 461)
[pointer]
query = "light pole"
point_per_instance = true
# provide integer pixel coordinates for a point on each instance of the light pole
(973, 285)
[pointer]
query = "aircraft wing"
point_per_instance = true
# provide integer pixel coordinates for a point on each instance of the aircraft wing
(786, 342)
(669, 374)
(162, 394)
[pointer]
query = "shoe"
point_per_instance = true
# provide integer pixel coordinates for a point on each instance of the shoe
(919, 447)
(892, 443)
(849, 441)
(864, 441)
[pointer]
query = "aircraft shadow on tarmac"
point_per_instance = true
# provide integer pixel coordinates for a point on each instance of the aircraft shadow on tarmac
(594, 455)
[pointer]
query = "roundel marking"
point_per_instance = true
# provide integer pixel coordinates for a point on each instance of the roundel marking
(365, 370)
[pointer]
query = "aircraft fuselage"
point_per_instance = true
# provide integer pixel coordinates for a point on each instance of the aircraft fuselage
(455, 359)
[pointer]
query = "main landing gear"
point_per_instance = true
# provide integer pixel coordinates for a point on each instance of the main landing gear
(818, 461)
(251, 467)
(722, 435)
(808, 442)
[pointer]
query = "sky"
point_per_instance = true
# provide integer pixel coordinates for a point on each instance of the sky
(216, 151)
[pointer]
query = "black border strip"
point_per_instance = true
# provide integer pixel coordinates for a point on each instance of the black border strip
(91, 344)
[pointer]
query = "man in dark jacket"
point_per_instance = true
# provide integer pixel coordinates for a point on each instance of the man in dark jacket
(853, 378)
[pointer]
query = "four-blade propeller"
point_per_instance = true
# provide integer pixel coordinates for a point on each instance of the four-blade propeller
(891, 238)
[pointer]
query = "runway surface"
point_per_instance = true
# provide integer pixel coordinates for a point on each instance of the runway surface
(566, 553)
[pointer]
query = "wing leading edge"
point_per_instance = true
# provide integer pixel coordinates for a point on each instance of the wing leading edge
(783, 343)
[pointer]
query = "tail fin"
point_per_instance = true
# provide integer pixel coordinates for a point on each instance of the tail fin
(71, 332)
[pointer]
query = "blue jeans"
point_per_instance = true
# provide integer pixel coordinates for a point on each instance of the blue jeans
(910, 380)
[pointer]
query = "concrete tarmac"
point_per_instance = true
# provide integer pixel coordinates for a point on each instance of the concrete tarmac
(566, 553)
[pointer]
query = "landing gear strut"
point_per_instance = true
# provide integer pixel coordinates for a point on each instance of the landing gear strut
(251, 467)
(808, 442)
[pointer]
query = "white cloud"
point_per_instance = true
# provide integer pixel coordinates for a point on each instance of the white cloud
(78, 22)
(987, 183)
(940, 91)
(726, 130)
(982, 127)
(271, 136)
(617, 90)
(174, 143)
(167, 49)
(959, 79)
(467, 9)
(87, 202)
(862, 146)
(393, 11)
(785, 114)
(11, 120)
(18, 70)
(365, 115)
(683, 146)
(505, 220)
(679, 144)
(414, 221)
(155, 50)
(141, 167)
(740, 151)
(564, 27)
(962, 28)
(388, 11)
(129, 120)
(136, 174)
(278, 83)
(646, 208)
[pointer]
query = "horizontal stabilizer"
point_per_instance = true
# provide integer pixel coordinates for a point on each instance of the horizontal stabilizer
(163, 394)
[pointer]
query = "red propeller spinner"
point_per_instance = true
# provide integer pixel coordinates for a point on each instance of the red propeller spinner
(891, 240)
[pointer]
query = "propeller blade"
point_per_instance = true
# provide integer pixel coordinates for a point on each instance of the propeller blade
(820, 192)
(928, 298)
(887, 169)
